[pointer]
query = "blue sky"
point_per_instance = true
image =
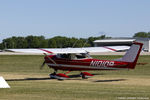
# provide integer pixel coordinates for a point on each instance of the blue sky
(73, 18)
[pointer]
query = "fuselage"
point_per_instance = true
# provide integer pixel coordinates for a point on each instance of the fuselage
(84, 64)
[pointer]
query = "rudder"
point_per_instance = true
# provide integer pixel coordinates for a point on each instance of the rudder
(132, 54)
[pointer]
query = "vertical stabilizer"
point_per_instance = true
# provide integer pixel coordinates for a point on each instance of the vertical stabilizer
(132, 54)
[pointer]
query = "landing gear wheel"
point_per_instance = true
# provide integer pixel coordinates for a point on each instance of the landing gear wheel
(59, 76)
(53, 75)
(83, 76)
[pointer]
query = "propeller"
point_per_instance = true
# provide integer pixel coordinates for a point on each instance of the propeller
(42, 65)
(45, 62)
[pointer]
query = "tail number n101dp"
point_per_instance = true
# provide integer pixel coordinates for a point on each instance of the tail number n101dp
(102, 63)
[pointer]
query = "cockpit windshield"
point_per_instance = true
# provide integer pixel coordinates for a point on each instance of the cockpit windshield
(74, 56)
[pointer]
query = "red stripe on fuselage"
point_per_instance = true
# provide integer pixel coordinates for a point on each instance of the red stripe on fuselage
(76, 68)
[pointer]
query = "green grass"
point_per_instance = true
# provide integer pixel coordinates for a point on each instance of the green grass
(29, 83)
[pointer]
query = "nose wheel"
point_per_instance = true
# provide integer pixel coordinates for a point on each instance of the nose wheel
(52, 75)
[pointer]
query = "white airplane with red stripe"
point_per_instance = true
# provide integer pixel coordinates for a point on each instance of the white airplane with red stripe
(78, 59)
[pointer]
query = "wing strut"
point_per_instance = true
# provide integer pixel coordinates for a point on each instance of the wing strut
(50, 59)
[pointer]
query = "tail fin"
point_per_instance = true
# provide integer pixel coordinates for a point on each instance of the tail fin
(132, 54)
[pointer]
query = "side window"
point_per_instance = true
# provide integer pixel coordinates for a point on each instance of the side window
(73, 57)
(58, 56)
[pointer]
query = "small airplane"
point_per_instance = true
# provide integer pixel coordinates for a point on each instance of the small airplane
(78, 59)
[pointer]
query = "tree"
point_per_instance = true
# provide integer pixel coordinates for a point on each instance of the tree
(44, 43)
(8, 43)
(20, 42)
(34, 41)
(52, 43)
(1, 46)
(142, 34)
(148, 34)
(91, 39)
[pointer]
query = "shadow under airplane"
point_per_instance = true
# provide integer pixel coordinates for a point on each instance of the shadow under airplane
(72, 77)
(28, 79)
(112, 80)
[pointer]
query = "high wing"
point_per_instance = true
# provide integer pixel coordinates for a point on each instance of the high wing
(72, 50)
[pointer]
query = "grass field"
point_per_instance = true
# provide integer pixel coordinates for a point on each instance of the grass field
(28, 82)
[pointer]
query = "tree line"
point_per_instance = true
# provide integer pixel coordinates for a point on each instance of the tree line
(42, 42)
(142, 34)
(55, 42)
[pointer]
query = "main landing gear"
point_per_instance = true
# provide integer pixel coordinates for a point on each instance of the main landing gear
(62, 76)
(85, 75)
(59, 76)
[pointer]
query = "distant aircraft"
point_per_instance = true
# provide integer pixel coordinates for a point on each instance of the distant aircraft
(78, 59)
